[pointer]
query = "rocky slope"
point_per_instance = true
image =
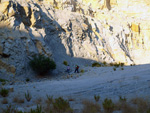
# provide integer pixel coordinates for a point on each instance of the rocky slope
(78, 31)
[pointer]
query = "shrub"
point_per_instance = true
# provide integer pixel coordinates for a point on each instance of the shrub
(60, 105)
(5, 101)
(116, 65)
(28, 96)
(104, 63)
(111, 64)
(49, 99)
(108, 105)
(10, 109)
(65, 63)
(18, 99)
(2, 80)
(122, 68)
(96, 97)
(122, 99)
(4, 92)
(121, 64)
(82, 71)
(114, 69)
(27, 79)
(96, 64)
(90, 107)
(37, 110)
(142, 104)
(42, 64)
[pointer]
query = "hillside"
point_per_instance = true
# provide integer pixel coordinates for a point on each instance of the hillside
(80, 32)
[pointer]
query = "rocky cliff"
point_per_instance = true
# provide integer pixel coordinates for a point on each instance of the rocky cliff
(79, 31)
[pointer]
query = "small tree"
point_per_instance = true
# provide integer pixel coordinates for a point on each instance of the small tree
(41, 64)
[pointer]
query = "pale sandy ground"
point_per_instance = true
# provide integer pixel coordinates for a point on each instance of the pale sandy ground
(133, 81)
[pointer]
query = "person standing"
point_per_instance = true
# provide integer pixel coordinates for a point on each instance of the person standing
(68, 68)
(76, 69)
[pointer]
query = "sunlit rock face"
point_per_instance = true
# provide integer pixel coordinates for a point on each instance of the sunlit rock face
(96, 30)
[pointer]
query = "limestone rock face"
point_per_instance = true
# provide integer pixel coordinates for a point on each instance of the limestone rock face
(81, 31)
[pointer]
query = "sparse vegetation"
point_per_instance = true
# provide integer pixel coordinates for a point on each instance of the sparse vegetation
(96, 64)
(5, 101)
(82, 71)
(114, 69)
(108, 105)
(116, 65)
(96, 97)
(42, 64)
(90, 107)
(60, 105)
(105, 64)
(28, 96)
(4, 92)
(2, 80)
(142, 104)
(65, 63)
(18, 100)
(37, 110)
(27, 79)
(121, 64)
(111, 64)
(15, 99)
(38, 101)
(9, 109)
(122, 68)
(122, 99)
(11, 89)
(49, 99)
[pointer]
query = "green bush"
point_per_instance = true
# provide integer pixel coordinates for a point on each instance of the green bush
(104, 63)
(96, 97)
(61, 106)
(122, 99)
(108, 105)
(96, 64)
(42, 64)
(114, 69)
(28, 96)
(4, 92)
(65, 63)
(116, 65)
(121, 64)
(2, 80)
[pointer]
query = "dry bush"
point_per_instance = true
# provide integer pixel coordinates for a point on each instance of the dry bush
(15, 99)
(18, 100)
(127, 108)
(5, 101)
(142, 105)
(38, 101)
(90, 107)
